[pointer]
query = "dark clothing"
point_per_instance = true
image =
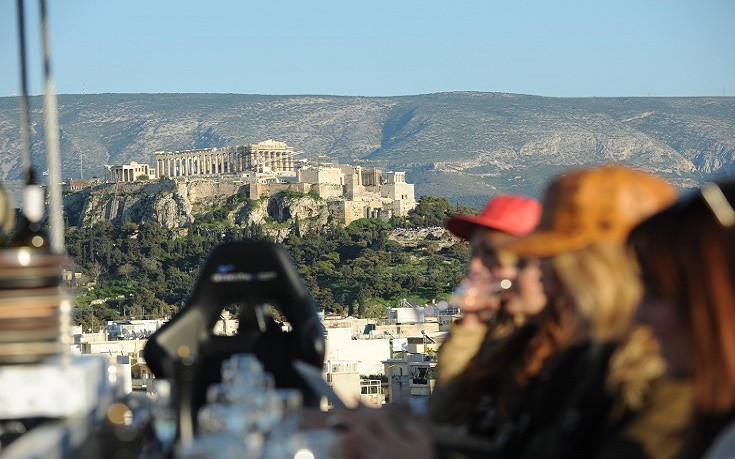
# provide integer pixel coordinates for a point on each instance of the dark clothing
(564, 409)
(568, 411)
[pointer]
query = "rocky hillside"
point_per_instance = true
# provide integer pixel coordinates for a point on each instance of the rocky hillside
(461, 145)
(200, 205)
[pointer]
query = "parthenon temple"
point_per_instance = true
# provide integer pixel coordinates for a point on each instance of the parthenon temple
(267, 156)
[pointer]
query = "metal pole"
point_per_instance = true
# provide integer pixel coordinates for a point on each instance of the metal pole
(25, 117)
(53, 153)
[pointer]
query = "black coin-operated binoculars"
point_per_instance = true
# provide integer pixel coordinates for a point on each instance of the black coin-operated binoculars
(248, 274)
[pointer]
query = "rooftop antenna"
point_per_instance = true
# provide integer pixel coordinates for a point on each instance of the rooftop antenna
(51, 121)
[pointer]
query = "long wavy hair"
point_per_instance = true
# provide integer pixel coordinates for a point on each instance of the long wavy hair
(593, 294)
(688, 257)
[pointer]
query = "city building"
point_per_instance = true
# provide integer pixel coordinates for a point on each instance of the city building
(372, 392)
(406, 313)
(132, 328)
(410, 373)
(71, 278)
(368, 350)
(344, 378)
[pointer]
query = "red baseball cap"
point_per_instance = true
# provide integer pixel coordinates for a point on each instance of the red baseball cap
(515, 215)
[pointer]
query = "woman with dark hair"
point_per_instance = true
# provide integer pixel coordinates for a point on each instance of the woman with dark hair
(687, 259)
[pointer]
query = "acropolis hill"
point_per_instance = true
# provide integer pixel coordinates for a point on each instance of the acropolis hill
(464, 146)
(183, 180)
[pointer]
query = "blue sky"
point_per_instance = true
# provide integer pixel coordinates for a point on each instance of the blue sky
(544, 47)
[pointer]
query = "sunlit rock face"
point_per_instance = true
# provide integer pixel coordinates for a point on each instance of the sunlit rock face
(161, 202)
(183, 204)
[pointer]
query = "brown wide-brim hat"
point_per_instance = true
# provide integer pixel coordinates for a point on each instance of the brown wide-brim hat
(590, 206)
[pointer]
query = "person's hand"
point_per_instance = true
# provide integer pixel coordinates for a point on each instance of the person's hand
(478, 299)
(371, 434)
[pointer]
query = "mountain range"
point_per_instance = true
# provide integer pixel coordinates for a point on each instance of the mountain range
(465, 146)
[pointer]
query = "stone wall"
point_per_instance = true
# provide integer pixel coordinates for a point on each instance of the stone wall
(258, 190)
